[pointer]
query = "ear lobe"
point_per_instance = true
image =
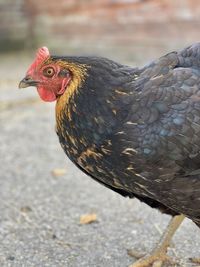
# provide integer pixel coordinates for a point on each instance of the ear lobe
(64, 73)
(64, 85)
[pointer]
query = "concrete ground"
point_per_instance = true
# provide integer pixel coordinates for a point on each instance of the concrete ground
(40, 209)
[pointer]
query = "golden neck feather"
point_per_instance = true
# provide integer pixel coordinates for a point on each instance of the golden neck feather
(79, 73)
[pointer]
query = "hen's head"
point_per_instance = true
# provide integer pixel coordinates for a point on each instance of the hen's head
(52, 76)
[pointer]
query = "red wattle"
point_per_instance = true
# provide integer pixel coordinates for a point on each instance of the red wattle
(46, 95)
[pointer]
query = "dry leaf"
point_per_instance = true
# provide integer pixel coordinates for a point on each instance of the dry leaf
(58, 172)
(135, 254)
(88, 218)
(195, 260)
(25, 209)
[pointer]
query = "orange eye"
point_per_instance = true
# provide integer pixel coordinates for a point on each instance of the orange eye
(48, 72)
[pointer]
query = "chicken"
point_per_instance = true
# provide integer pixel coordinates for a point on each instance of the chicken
(134, 130)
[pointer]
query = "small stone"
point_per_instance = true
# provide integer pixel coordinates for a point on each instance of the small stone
(54, 236)
(11, 258)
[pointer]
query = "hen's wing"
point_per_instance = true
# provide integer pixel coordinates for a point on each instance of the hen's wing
(163, 131)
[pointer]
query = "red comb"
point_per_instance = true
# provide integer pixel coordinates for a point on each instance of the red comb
(41, 55)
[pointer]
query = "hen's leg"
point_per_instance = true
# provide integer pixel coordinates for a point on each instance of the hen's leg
(159, 254)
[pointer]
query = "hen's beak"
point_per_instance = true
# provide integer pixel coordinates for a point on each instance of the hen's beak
(26, 82)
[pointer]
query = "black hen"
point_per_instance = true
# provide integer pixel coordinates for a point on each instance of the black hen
(136, 131)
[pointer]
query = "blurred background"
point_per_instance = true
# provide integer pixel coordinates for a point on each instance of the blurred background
(124, 29)
(43, 195)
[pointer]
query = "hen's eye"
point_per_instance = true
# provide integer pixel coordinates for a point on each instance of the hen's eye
(48, 72)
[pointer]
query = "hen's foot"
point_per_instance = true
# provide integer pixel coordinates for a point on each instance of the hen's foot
(156, 259)
(158, 255)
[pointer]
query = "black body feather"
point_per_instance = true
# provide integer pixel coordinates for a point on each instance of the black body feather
(137, 131)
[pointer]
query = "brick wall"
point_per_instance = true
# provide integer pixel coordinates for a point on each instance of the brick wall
(13, 24)
(82, 26)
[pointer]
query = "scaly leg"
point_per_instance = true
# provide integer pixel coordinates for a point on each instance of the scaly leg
(159, 254)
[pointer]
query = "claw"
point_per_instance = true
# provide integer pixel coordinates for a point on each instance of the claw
(154, 260)
(159, 254)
